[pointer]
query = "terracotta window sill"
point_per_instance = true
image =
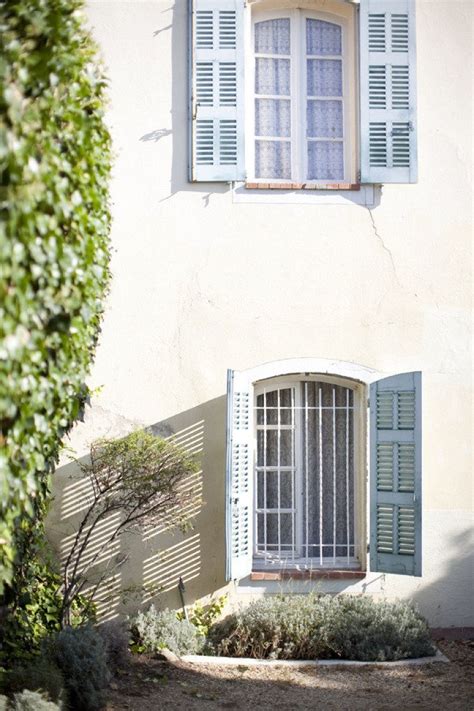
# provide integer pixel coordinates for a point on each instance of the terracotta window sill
(302, 186)
(308, 575)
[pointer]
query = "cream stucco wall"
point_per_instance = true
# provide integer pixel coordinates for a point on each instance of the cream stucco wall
(203, 282)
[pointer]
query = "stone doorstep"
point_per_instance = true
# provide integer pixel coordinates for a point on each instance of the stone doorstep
(242, 661)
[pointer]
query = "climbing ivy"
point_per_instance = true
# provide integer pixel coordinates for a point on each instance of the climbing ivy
(55, 157)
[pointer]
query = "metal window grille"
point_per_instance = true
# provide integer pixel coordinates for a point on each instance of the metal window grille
(304, 498)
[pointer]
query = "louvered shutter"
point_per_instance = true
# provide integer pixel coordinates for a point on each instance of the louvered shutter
(395, 474)
(239, 479)
(217, 90)
(388, 140)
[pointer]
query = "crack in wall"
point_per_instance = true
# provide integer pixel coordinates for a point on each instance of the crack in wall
(384, 246)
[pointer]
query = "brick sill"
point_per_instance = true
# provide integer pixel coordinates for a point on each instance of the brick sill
(302, 186)
(308, 575)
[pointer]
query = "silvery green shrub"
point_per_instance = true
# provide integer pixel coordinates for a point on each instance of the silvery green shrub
(41, 674)
(317, 627)
(81, 655)
(31, 701)
(116, 638)
(359, 628)
(155, 630)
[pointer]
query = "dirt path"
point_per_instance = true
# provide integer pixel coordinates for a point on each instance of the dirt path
(148, 684)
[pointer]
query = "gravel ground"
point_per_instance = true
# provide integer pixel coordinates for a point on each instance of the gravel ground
(150, 684)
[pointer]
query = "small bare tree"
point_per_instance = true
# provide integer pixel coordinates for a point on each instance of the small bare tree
(142, 478)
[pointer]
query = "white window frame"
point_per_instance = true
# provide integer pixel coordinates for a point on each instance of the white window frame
(298, 140)
(359, 513)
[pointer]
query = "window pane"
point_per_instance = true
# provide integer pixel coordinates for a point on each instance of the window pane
(271, 500)
(286, 448)
(273, 36)
(324, 77)
(286, 529)
(328, 471)
(286, 499)
(267, 455)
(274, 522)
(272, 117)
(272, 529)
(272, 76)
(271, 398)
(322, 37)
(324, 119)
(273, 159)
(325, 160)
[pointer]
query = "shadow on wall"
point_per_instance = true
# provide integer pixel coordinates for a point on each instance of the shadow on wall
(178, 26)
(144, 567)
(443, 598)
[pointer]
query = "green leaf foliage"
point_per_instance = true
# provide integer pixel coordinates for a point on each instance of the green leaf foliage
(33, 602)
(203, 616)
(55, 157)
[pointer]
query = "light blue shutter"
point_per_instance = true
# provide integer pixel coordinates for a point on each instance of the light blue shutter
(388, 140)
(395, 474)
(217, 90)
(239, 477)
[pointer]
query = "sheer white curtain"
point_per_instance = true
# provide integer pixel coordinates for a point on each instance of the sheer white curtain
(273, 91)
(272, 115)
(324, 109)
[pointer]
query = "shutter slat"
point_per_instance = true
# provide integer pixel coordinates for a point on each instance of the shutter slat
(395, 474)
(217, 91)
(239, 477)
(388, 91)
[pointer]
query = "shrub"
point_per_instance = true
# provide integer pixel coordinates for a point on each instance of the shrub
(358, 628)
(310, 627)
(204, 616)
(55, 157)
(147, 479)
(81, 655)
(42, 676)
(35, 603)
(116, 638)
(27, 701)
(154, 630)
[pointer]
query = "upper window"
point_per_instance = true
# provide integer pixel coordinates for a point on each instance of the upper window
(300, 105)
(307, 97)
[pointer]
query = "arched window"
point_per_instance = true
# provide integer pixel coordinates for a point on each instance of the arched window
(301, 108)
(304, 473)
(297, 459)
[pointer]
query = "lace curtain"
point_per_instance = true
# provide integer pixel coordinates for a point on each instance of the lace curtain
(324, 116)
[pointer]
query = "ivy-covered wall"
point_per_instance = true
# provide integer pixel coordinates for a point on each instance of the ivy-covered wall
(55, 156)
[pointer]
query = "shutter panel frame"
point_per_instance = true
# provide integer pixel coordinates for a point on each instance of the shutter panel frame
(388, 124)
(216, 91)
(239, 476)
(396, 475)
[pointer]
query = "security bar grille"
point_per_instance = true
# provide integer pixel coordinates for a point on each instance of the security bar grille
(304, 498)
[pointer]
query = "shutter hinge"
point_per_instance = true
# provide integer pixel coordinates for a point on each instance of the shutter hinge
(368, 547)
(368, 402)
(359, 176)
